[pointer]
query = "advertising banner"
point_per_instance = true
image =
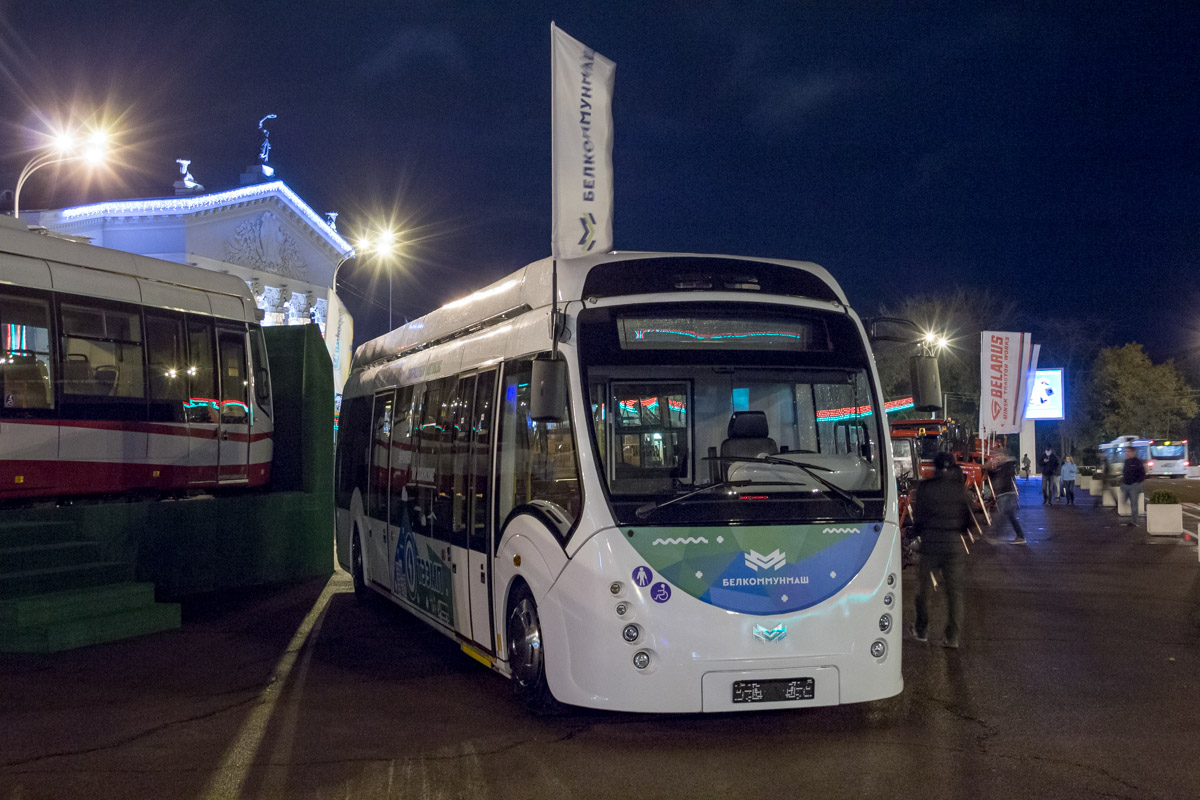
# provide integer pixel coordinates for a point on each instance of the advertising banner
(1006, 363)
(581, 147)
(1046, 400)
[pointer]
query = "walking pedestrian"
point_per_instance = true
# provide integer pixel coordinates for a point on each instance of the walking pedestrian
(1004, 484)
(1069, 473)
(1049, 477)
(942, 515)
(1132, 476)
(1026, 465)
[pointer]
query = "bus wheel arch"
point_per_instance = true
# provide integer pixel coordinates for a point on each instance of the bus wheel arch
(357, 568)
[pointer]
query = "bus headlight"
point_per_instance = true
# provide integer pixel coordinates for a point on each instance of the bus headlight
(885, 623)
(641, 659)
(878, 648)
(891, 579)
(615, 587)
(888, 599)
(622, 608)
(631, 633)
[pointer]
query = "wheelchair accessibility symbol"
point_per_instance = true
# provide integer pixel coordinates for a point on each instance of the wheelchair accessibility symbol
(660, 592)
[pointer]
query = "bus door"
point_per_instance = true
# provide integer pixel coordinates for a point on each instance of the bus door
(479, 561)
(203, 412)
(234, 448)
(376, 548)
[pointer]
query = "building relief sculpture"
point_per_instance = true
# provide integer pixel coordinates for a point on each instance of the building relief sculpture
(263, 244)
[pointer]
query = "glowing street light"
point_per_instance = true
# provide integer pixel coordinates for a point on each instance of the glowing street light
(382, 245)
(64, 147)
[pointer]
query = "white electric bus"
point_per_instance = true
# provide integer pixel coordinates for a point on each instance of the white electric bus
(1161, 457)
(705, 519)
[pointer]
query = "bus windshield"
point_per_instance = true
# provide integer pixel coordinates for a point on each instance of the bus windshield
(731, 414)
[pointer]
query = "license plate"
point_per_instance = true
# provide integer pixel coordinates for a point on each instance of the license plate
(775, 690)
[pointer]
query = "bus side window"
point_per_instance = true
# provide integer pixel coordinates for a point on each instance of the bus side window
(25, 365)
(481, 451)
(381, 444)
(202, 402)
(166, 354)
(427, 447)
(538, 460)
(458, 482)
(353, 435)
(402, 461)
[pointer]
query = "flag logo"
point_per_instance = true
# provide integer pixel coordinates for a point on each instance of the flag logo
(588, 240)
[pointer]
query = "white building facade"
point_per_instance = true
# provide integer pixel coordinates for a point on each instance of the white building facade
(263, 233)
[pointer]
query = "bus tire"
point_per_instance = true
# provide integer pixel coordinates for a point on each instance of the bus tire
(526, 657)
(361, 592)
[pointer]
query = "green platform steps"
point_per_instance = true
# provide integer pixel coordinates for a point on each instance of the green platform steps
(57, 592)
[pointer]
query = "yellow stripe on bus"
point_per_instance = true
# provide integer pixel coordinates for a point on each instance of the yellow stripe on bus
(486, 660)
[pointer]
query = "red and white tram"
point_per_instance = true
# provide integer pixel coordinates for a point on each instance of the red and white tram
(121, 373)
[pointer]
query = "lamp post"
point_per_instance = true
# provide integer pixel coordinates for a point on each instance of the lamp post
(64, 149)
(382, 244)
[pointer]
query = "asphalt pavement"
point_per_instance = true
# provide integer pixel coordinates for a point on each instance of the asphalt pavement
(1079, 677)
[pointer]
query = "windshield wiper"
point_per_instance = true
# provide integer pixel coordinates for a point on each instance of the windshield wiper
(811, 469)
(644, 511)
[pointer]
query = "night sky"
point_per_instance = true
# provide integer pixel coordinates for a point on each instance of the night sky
(1051, 154)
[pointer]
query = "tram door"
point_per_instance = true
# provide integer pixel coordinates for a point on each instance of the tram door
(234, 407)
(376, 545)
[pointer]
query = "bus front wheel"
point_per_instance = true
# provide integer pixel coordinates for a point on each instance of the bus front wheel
(526, 655)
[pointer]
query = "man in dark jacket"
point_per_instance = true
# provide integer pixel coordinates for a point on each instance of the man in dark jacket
(1132, 476)
(1049, 477)
(942, 513)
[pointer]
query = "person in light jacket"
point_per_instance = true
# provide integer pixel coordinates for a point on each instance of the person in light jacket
(1068, 475)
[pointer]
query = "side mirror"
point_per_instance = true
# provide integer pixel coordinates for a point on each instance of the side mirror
(548, 390)
(926, 383)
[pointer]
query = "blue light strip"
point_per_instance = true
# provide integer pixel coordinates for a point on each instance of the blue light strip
(205, 202)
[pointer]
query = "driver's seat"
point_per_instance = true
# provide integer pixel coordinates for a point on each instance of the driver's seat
(747, 438)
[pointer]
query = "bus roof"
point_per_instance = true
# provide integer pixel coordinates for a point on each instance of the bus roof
(44, 261)
(631, 273)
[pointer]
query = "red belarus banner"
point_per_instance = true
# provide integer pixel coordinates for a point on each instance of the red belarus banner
(1006, 364)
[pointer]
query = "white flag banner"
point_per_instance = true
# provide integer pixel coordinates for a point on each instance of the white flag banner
(1006, 362)
(582, 142)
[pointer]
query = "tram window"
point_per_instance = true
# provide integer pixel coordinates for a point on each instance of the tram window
(26, 369)
(235, 381)
(102, 352)
(202, 379)
(538, 461)
(166, 355)
(262, 374)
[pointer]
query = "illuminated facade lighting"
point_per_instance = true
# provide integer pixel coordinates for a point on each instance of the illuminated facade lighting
(207, 202)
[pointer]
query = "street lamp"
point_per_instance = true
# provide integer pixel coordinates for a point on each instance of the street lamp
(381, 244)
(66, 147)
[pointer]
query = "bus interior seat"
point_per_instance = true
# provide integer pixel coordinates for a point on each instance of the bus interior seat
(106, 379)
(77, 374)
(748, 437)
